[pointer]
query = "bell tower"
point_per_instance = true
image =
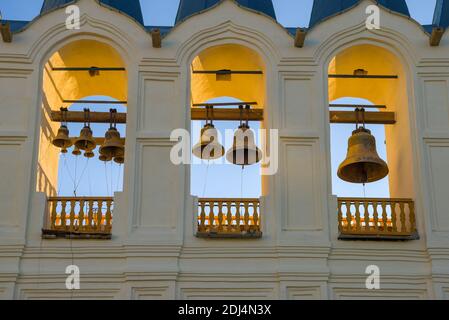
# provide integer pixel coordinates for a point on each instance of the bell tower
(130, 7)
(323, 9)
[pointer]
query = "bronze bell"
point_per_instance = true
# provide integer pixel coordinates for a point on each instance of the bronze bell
(362, 163)
(76, 151)
(62, 139)
(86, 141)
(104, 158)
(112, 145)
(89, 154)
(244, 150)
(209, 147)
(120, 157)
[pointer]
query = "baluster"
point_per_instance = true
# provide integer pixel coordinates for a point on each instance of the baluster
(367, 219)
(376, 216)
(220, 216)
(237, 214)
(63, 214)
(256, 216)
(72, 214)
(81, 215)
(108, 226)
(246, 215)
(402, 215)
(357, 216)
(99, 215)
(394, 224)
(211, 216)
(340, 216)
(201, 226)
(90, 216)
(348, 215)
(384, 216)
(411, 207)
(229, 205)
(54, 204)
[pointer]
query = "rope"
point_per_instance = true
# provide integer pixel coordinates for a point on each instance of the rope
(106, 175)
(112, 189)
(118, 176)
(205, 178)
(241, 182)
(67, 168)
(74, 182)
(82, 174)
(89, 182)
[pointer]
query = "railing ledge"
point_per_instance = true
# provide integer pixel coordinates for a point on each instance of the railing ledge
(256, 234)
(49, 234)
(377, 237)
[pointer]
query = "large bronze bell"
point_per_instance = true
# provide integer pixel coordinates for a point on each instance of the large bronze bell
(104, 158)
(209, 148)
(62, 139)
(362, 163)
(112, 145)
(86, 141)
(244, 151)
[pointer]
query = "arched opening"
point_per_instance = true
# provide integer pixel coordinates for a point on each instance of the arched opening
(371, 75)
(225, 79)
(88, 79)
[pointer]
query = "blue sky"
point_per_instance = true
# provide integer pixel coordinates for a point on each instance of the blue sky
(92, 177)
(290, 13)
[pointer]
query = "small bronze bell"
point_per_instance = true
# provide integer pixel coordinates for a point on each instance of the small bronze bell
(244, 151)
(208, 148)
(89, 154)
(85, 141)
(362, 163)
(76, 151)
(62, 139)
(120, 157)
(112, 145)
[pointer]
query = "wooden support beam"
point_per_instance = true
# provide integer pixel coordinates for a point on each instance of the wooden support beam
(436, 36)
(95, 117)
(228, 72)
(5, 30)
(374, 106)
(225, 104)
(370, 117)
(98, 140)
(90, 69)
(226, 114)
(360, 76)
(300, 37)
(223, 114)
(95, 102)
(156, 38)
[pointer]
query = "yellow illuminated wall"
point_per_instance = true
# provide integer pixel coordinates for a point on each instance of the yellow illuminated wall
(247, 88)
